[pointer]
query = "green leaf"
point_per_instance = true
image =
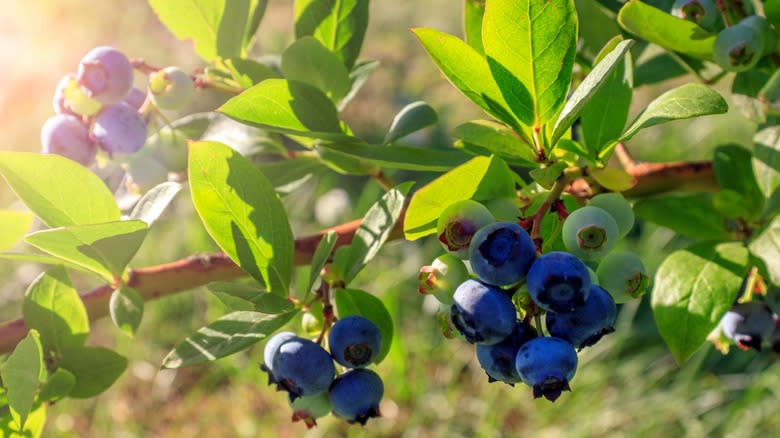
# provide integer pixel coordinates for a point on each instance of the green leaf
(53, 307)
(152, 205)
(467, 70)
(40, 258)
(20, 375)
(33, 427)
(289, 107)
(613, 178)
(216, 27)
(377, 224)
(683, 102)
(95, 369)
(256, 12)
(693, 289)
(473, 14)
(530, 47)
(229, 334)
(126, 307)
(605, 114)
(58, 386)
(347, 163)
(766, 246)
(358, 77)
(481, 179)
(288, 175)
(666, 30)
(401, 157)
(242, 213)
(588, 88)
(411, 118)
(248, 72)
(357, 302)
(772, 12)
(15, 225)
(241, 296)
(104, 249)
(690, 214)
(338, 24)
(766, 159)
(320, 257)
(486, 137)
(734, 172)
(547, 176)
(307, 60)
(59, 191)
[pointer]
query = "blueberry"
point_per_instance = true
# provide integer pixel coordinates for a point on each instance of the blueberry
(135, 98)
(169, 146)
(442, 277)
(270, 350)
(589, 233)
(120, 129)
(482, 313)
(748, 324)
(105, 74)
(617, 207)
(498, 360)
(501, 253)
(586, 324)
(739, 47)
(66, 135)
(558, 282)
(171, 88)
(547, 365)
(354, 341)
(309, 409)
(702, 12)
(623, 275)
(302, 368)
(458, 223)
(144, 171)
(355, 395)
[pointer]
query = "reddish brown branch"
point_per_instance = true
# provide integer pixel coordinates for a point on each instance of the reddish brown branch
(170, 278)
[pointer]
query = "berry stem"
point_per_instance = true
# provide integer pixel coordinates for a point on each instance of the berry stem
(566, 177)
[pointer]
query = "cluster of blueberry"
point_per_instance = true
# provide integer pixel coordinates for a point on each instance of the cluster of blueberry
(306, 371)
(99, 108)
(580, 304)
(739, 46)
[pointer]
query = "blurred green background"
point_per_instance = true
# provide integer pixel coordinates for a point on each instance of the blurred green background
(628, 385)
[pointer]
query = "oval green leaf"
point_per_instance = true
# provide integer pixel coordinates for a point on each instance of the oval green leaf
(20, 374)
(126, 307)
(95, 369)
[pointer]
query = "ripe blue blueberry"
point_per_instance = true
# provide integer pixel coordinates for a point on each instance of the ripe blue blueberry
(354, 341)
(135, 98)
(119, 128)
(270, 350)
(302, 368)
(586, 324)
(66, 135)
(355, 395)
(482, 313)
(558, 282)
(501, 253)
(748, 324)
(105, 74)
(589, 233)
(458, 223)
(498, 360)
(547, 365)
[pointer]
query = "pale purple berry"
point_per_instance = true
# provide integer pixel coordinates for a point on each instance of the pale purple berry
(66, 135)
(119, 128)
(105, 74)
(135, 98)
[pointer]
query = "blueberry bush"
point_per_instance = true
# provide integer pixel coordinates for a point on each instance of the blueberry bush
(537, 206)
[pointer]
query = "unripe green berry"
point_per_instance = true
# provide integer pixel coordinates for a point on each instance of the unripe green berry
(702, 12)
(738, 48)
(589, 233)
(171, 88)
(623, 275)
(78, 101)
(458, 223)
(617, 206)
(311, 325)
(442, 277)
